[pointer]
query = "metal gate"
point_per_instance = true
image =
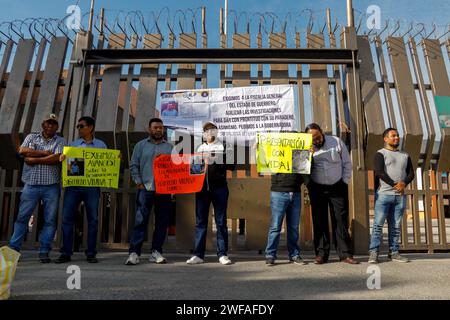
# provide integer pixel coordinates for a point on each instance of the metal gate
(353, 85)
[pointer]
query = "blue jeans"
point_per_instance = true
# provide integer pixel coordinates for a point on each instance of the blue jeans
(72, 199)
(219, 199)
(281, 204)
(391, 207)
(144, 203)
(30, 198)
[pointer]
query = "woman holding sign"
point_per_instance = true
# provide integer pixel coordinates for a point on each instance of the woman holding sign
(214, 190)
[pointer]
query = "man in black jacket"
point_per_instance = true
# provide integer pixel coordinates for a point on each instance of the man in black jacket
(214, 190)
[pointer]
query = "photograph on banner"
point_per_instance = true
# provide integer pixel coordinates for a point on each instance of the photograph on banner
(283, 152)
(238, 112)
(443, 110)
(91, 167)
(175, 174)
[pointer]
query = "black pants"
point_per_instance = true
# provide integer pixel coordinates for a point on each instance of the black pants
(336, 197)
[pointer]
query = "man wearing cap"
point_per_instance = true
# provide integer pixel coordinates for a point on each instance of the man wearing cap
(41, 176)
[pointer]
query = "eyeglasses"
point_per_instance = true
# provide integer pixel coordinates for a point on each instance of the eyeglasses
(80, 126)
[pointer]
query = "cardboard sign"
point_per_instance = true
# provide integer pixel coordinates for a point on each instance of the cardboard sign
(175, 174)
(284, 152)
(91, 167)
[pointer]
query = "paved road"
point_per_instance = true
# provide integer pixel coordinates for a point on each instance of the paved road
(426, 277)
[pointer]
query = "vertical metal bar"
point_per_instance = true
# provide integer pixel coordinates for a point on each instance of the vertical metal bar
(350, 18)
(101, 211)
(371, 102)
(10, 110)
(90, 107)
(112, 217)
(241, 78)
(125, 207)
(319, 90)
(28, 111)
(83, 41)
(5, 58)
(204, 45)
(91, 16)
(342, 122)
(12, 205)
(49, 84)
(441, 213)
(146, 96)
(186, 72)
(426, 177)
(409, 109)
(415, 213)
(440, 86)
(301, 102)
(358, 190)
(384, 77)
(170, 45)
(64, 115)
(2, 197)
(425, 105)
(126, 99)
(108, 105)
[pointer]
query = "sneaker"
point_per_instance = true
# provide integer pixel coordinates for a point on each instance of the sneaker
(270, 261)
(194, 260)
(63, 259)
(132, 260)
(297, 260)
(91, 259)
(395, 256)
(373, 257)
(225, 260)
(44, 258)
(157, 257)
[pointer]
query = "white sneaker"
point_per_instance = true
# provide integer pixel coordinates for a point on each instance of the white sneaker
(157, 257)
(194, 260)
(133, 259)
(225, 260)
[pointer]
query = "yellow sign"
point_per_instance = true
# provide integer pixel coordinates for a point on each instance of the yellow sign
(91, 167)
(284, 152)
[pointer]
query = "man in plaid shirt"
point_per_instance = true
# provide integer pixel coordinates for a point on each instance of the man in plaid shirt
(41, 176)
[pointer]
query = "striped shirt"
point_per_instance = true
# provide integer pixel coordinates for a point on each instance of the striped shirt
(42, 174)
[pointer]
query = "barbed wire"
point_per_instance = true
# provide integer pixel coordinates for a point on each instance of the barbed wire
(188, 20)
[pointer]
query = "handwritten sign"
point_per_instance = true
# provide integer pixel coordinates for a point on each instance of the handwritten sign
(284, 152)
(176, 174)
(91, 167)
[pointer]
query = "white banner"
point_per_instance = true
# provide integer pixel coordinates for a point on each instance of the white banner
(237, 112)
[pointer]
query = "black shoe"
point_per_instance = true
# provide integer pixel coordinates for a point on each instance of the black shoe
(63, 259)
(44, 258)
(91, 259)
(270, 261)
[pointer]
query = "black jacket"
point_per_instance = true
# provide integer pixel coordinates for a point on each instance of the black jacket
(216, 173)
(287, 182)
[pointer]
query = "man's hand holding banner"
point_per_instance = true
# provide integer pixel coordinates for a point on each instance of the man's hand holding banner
(175, 174)
(284, 152)
(90, 167)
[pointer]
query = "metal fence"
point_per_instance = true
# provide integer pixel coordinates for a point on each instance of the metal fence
(385, 81)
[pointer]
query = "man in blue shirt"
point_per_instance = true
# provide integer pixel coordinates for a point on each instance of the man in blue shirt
(73, 196)
(42, 176)
(141, 168)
